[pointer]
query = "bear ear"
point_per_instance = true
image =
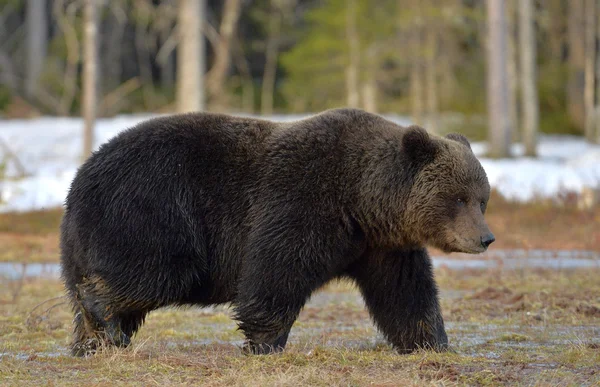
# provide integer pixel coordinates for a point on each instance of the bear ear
(459, 138)
(418, 145)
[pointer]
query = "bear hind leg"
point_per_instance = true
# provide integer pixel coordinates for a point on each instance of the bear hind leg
(267, 321)
(85, 334)
(266, 313)
(266, 346)
(100, 320)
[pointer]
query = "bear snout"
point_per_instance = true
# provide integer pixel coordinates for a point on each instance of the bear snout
(487, 239)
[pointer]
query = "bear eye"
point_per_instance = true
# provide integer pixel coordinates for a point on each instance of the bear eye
(461, 201)
(482, 205)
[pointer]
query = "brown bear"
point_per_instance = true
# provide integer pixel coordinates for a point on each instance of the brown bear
(203, 209)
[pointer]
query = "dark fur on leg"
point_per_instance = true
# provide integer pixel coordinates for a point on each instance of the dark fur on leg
(402, 297)
(85, 339)
(99, 321)
(266, 323)
(265, 349)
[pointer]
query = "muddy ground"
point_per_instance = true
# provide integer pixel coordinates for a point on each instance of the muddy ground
(507, 327)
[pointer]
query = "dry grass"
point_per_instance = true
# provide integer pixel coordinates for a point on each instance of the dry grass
(34, 222)
(527, 327)
(507, 328)
(30, 236)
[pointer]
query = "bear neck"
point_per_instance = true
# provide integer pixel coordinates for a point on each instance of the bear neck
(379, 204)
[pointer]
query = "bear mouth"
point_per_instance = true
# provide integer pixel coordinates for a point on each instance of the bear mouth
(461, 245)
(477, 250)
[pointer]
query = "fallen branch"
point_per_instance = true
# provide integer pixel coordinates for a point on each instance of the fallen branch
(10, 155)
(33, 320)
(111, 100)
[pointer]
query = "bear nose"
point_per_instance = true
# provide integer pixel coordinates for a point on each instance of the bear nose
(487, 239)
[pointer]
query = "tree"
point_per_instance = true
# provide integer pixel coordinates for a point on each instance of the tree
(529, 95)
(65, 14)
(497, 81)
(576, 62)
(589, 69)
(369, 85)
(36, 44)
(278, 11)
(352, 69)
(416, 69)
(431, 71)
(90, 59)
(190, 56)
(596, 137)
(512, 65)
(216, 77)
(340, 55)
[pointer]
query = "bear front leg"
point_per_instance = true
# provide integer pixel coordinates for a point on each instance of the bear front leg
(402, 297)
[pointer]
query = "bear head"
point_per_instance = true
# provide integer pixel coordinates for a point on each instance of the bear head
(449, 193)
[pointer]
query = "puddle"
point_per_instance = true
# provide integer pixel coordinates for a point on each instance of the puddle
(521, 259)
(517, 263)
(534, 253)
(14, 270)
(475, 334)
(503, 259)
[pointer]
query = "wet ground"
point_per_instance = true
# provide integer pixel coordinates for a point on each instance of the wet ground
(509, 322)
(501, 259)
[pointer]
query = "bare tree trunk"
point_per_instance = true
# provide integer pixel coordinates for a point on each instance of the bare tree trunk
(65, 19)
(352, 85)
(557, 24)
(245, 73)
(512, 67)
(8, 75)
(575, 87)
(111, 58)
(90, 57)
(271, 54)
(218, 72)
(416, 85)
(497, 81)
(590, 74)
(369, 86)
(167, 67)
(369, 93)
(191, 56)
(143, 58)
(36, 44)
(529, 95)
(431, 79)
(596, 138)
(416, 70)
